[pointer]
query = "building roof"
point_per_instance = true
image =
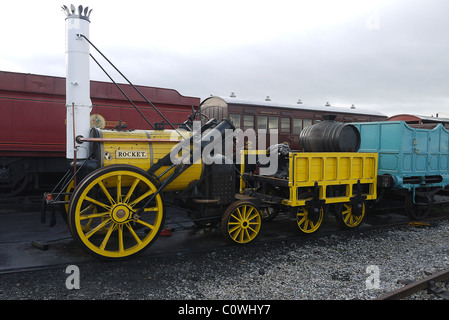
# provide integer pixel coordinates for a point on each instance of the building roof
(272, 104)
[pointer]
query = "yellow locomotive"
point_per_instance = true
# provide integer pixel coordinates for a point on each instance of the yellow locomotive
(118, 208)
(115, 195)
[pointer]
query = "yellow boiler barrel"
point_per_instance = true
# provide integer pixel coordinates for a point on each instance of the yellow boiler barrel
(149, 146)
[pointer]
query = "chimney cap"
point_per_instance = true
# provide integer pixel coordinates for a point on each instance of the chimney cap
(83, 13)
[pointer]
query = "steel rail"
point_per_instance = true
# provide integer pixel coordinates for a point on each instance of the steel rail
(416, 286)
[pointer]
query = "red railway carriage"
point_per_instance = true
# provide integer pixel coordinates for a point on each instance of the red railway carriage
(418, 121)
(289, 120)
(33, 111)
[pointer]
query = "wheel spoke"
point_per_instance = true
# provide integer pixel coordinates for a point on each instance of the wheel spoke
(120, 238)
(247, 234)
(244, 212)
(131, 190)
(235, 228)
(108, 235)
(346, 218)
(145, 195)
(253, 216)
(253, 230)
(97, 228)
(240, 215)
(98, 203)
(248, 212)
(236, 234)
(306, 225)
(88, 224)
(237, 219)
(302, 220)
(89, 207)
(94, 215)
(119, 188)
(136, 237)
(146, 224)
(106, 192)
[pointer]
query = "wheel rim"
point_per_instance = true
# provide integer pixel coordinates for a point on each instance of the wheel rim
(414, 211)
(305, 224)
(104, 215)
(69, 190)
(349, 218)
(244, 223)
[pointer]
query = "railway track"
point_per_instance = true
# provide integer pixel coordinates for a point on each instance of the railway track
(182, 241)
(428, 283)
(277, 252)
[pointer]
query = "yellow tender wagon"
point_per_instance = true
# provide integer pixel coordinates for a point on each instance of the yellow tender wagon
(342, 181)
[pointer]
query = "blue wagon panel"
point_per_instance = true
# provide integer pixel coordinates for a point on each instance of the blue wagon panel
(413, 157)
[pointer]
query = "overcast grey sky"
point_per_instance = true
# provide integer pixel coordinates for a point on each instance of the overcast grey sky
(388, 55)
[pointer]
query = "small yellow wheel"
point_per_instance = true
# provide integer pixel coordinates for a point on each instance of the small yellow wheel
(349, 217)
(241, 222)
(309, 220)
(106, 213)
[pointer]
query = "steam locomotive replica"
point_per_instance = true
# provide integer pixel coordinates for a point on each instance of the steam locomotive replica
(115, 194)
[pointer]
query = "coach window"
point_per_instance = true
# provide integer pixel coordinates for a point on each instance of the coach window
(297, 126)
(307, 122)
(262, 123)
(235, 119)
(248, 122)
(273, 123)
(285, 124)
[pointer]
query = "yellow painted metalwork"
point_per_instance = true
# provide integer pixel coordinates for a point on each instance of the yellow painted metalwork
(145, 154)
(330, 169)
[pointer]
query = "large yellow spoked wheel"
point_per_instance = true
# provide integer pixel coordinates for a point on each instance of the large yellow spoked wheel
(349, 216)
(106, 213)
(241, 222)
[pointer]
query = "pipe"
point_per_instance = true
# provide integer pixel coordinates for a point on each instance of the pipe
(206, 201)
(124, 140)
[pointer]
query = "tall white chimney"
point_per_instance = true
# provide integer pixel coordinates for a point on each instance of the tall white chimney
(77, 79)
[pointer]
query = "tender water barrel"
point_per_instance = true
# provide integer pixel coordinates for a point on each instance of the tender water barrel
(330, 136)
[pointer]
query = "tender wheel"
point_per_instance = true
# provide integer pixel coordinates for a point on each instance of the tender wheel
(349, 216)
(104, 216)
(309, 218)
(414, 211)
(241, 222)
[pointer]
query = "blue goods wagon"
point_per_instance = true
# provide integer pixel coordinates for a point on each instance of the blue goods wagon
(413, 162)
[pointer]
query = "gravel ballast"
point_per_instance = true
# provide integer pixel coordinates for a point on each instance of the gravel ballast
(337, 267)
